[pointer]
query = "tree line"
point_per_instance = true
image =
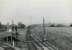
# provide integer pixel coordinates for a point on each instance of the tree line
(20, 25)
(60, 25)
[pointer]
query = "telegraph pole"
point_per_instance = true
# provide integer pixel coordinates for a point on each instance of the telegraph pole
(12, 41)
(44, 31)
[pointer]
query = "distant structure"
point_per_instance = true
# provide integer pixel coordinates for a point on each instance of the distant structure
(14, 33)
(13, 37)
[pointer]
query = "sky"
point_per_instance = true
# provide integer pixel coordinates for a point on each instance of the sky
(32, 11)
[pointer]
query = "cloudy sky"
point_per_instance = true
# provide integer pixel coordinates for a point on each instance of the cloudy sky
(32, 11)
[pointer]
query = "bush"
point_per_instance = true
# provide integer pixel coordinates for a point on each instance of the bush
(21, 25)
(70, 25)
(60, 25)
(52, 25)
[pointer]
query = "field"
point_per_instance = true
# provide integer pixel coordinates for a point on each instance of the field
(21, 37)
(60, 37)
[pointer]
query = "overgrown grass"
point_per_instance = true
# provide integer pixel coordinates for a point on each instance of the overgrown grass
(61, 37)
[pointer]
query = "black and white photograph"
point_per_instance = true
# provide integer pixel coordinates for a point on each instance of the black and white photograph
(35, 24)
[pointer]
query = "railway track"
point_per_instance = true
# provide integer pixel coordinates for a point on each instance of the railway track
(6, 46)
(37, 43)
(42, 45)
